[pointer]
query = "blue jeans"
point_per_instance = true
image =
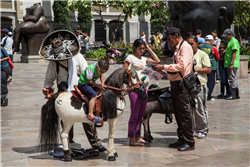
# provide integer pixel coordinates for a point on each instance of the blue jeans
(210, 83)
(87, 46)
(87, 90)
(223, 81)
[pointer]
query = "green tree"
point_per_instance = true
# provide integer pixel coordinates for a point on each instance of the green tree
(61, 15)
(127, 8)
(242, 14)
(160, 13)
(85, 18)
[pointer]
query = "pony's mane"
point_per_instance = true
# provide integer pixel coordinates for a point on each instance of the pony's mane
(116, 79)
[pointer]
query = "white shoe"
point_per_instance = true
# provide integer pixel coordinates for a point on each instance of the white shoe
(9, 79)
(201, 136)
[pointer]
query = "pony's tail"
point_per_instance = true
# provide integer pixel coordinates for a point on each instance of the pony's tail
(49, 126)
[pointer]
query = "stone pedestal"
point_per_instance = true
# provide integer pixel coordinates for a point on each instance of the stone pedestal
(166, 60)
(30, 46)
(242, 71)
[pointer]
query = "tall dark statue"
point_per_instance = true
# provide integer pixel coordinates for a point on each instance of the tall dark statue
(33, 22)
(204, 15)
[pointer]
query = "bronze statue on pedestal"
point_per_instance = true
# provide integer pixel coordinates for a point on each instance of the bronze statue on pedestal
(33, 22)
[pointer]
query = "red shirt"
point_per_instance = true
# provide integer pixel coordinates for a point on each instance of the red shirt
(214, 52)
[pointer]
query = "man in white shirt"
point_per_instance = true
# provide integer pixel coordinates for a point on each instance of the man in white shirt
(66, 73)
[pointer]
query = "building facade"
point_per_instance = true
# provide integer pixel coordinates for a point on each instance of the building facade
(12, 12)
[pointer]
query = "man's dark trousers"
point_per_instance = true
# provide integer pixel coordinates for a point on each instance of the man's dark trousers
(210, 84)
(180, 101)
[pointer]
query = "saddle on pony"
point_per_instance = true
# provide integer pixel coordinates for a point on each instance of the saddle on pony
(164, 97)
(98, 104)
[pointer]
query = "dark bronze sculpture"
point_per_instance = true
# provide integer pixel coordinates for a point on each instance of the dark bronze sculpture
(33, 22)
(204, 15)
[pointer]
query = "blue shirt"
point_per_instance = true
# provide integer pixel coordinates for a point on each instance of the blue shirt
(4, 54)
(201, 40)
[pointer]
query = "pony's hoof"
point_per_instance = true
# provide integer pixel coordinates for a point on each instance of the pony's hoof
(151, 137)
(115, 154)
(67, 159)
(111, 158)
(148, 139)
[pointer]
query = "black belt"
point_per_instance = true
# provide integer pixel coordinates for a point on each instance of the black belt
(172, 82)
(172, 72)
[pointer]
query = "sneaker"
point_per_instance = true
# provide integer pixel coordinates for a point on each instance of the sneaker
(226, 95)
(212, 99)
(4, 101)
(9, 79)
(201, 136)
(220, 96)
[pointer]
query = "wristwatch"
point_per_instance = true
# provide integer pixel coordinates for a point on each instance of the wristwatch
(231, 64)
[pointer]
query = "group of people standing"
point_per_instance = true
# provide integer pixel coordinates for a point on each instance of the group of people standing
(190, 118)
(154, 39)
(224, 55)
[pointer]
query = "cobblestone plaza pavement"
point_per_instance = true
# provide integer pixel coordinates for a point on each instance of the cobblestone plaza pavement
(227, 143)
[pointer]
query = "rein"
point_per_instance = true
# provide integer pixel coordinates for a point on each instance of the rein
(114, 88)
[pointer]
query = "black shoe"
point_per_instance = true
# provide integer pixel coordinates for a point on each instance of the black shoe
(72, 141)
(185, 147)
(175, 145)
(232, 94)
(100, 148)
(237, 93)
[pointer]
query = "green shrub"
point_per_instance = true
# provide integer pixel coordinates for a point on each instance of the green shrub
(98, 53)
(84, 17)
(61, 15)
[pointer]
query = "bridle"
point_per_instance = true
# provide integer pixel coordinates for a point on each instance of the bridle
(130, 79)
(130, 83)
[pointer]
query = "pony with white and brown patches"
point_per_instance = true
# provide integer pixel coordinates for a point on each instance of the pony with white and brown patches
(71, 110)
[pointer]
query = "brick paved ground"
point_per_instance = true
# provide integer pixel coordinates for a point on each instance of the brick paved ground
(227, 143)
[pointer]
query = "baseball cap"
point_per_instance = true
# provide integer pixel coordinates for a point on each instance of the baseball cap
(173, 30)
(227, 32)
(209, 37)
(10, 33)
(5, 30)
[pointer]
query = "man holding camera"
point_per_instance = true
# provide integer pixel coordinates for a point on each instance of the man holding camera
(183, 63)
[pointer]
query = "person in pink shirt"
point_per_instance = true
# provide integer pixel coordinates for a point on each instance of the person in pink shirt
(182, 65)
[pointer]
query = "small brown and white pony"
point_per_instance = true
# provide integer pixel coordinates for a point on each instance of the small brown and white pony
(71, 110)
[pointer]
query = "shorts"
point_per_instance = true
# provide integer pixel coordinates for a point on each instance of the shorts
(87, 90)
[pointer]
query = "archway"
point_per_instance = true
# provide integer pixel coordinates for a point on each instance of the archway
(100, 31)
(6, 23)
(119, 33)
